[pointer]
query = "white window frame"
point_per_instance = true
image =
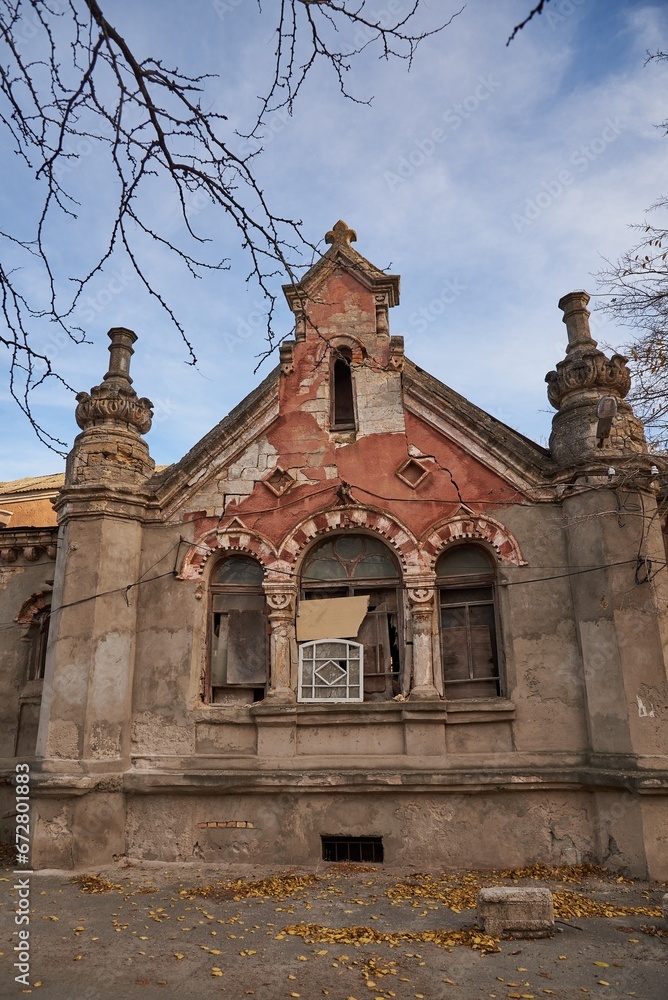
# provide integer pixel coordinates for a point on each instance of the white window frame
(314, 700)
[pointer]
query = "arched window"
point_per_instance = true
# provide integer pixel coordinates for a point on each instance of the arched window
(466, 580)
(238, 639)
(341, 391)
(357, 565)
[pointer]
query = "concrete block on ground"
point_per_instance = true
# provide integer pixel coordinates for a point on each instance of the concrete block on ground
(516, 911)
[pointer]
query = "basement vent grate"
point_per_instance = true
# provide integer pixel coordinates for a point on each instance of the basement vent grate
(352, 849)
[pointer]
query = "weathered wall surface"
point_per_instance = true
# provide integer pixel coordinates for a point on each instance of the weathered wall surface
(551, 827)
(19, 698)
(567, 764)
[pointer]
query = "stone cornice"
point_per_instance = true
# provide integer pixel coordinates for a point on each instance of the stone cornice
(92, 500)
(27, 543)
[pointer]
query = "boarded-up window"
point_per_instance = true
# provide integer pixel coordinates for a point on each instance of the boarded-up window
(239, 643)
(468, 624)
(375, 637)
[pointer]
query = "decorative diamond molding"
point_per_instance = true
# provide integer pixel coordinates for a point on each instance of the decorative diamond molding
(412, 473)
(278, 481)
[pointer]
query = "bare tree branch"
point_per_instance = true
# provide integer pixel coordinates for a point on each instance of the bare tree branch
(538, 9)
(81, 80)
(636, 292)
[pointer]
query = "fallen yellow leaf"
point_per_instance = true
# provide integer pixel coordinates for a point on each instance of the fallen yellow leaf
(602, 965)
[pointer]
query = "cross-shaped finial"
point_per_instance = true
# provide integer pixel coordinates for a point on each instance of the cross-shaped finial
(341, 235)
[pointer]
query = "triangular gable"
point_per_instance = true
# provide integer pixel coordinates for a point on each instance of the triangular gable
(342, 254)
(516, 459)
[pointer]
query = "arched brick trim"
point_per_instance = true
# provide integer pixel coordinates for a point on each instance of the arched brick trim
(474, 527)
(31, 608)
(398, 537)
(235, 539)
(355, 345)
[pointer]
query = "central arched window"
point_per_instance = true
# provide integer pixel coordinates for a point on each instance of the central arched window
(357, 565)
(238, 640)
(466, 581)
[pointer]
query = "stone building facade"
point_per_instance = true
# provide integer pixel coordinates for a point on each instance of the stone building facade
(360, 618)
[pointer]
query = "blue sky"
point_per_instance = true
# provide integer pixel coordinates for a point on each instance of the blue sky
(493, 179)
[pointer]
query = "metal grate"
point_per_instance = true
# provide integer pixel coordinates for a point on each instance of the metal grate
(352, 849)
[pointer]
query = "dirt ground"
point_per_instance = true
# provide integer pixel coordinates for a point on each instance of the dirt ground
(347, 932)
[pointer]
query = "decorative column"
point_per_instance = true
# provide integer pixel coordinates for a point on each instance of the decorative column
(281, 599)
(86, 712)
(608, 500)
(421, 598)
(575, 390)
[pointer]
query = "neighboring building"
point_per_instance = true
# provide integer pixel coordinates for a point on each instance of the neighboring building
(360, 617)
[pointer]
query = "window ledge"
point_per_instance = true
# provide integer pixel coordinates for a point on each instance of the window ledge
(223, 713)
(479, 710)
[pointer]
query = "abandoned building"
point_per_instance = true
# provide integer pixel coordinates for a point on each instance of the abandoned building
(360, 619)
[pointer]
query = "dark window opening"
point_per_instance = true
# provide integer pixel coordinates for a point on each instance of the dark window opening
(40, 639)
(469, 633)
(343, 403)
(352, 849)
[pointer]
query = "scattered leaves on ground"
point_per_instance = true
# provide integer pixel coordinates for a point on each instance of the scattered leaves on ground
(469, 937)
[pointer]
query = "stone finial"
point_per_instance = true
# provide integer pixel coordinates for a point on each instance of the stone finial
(121, 351)
(575, 389)
(576, 318)
(341, 235)
(115, 401)
(112, 418)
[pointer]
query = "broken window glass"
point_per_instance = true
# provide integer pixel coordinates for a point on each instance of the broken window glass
(239, 642)
(370, 570)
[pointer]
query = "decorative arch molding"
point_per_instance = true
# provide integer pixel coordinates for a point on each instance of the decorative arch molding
(473, 527)
(354, 344)
(399, 538)
(32, 607)
(235, 538)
